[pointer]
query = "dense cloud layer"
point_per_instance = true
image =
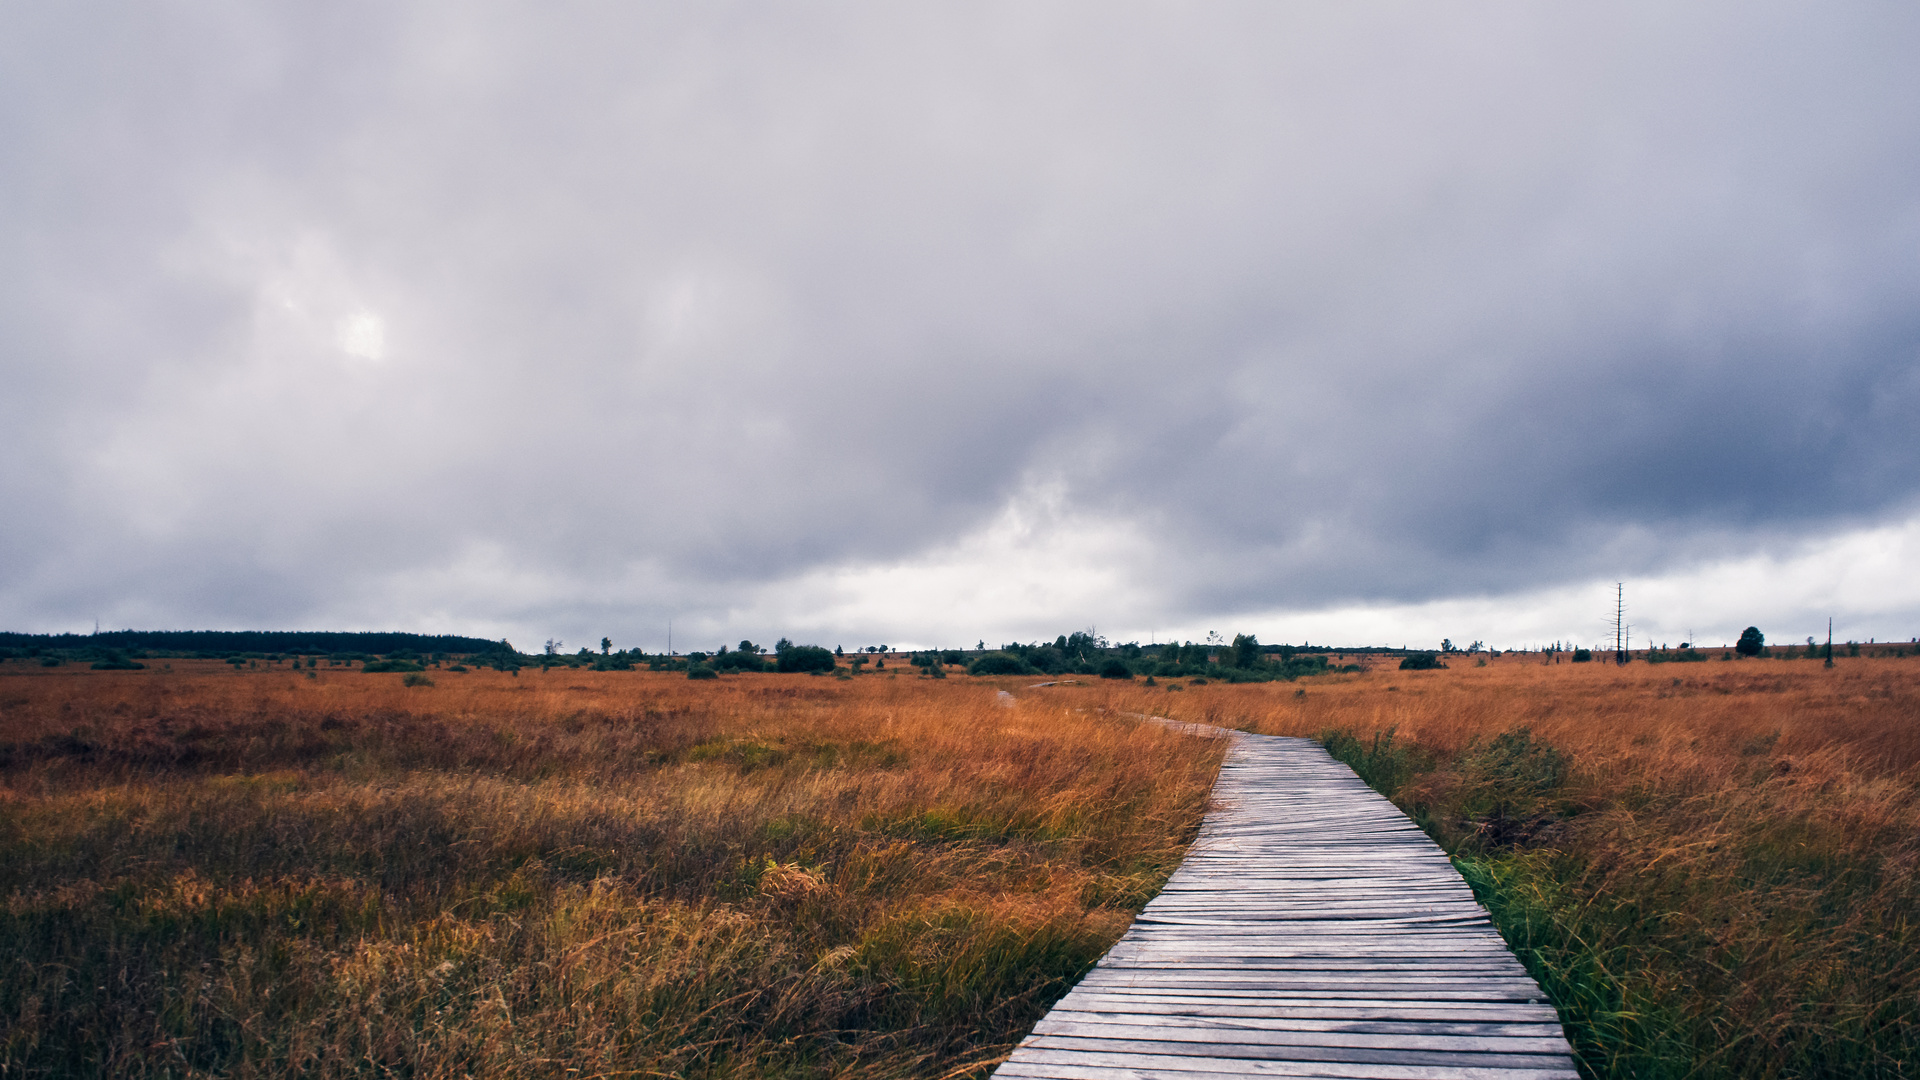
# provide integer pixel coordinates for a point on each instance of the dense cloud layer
(512, 320)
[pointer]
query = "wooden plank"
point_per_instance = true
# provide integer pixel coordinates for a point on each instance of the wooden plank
(1220, 997)
(1263, 1005)
(1408, 1054)
(1208, 1021)
(1245, 1035)
(1342, 954)
(1335, 995)
(1139, 1067)
(1100, 1066)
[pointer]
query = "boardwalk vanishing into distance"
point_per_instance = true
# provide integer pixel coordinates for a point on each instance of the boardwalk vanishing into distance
(1313, 931)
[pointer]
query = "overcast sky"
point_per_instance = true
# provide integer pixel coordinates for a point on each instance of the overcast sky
(924, 324)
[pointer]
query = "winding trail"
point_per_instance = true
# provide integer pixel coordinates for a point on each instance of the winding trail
(1313, 931)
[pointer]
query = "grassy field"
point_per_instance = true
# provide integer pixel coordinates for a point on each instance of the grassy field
(569, 875)
(1710, 866)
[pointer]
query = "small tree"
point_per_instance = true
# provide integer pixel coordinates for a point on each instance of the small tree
(1245, 651)
(803, 658)
(999, 663)
(606, 646)
(1751, 642)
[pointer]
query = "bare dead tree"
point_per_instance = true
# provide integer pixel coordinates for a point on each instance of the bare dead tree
(1620, 623)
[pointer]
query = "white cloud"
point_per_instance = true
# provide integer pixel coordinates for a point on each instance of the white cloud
(363, 336)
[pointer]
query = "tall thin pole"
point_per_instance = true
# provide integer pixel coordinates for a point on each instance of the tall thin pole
(1829, 641)
(1620, 623)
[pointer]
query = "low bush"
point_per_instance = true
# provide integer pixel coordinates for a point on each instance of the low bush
(1000, 663)
(390, 665)
(1421, 661)
(701, 671)
(739, 661)
(797, 658)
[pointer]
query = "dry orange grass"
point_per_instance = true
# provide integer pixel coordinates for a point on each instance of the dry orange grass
(1711, 866)
(570, 874)
(1667, 716)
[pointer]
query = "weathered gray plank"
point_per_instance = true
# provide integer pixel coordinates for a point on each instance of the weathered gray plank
(1144, 1067)
(1198, 1021)
(1263, 1004)
(1085, 1065)
(1244, 1035)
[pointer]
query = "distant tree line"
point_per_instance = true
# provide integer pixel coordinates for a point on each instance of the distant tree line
(1244, 659)
(223, 643)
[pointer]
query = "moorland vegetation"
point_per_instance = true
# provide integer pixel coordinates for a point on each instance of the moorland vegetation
(210, 872)
(1713, 869)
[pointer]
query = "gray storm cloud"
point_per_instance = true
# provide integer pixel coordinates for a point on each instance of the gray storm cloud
(631, 310)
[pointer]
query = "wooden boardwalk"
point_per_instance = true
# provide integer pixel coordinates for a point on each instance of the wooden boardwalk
(1313, 930)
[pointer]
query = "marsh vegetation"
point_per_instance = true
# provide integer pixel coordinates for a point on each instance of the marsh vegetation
(214, 871)
(561, 875)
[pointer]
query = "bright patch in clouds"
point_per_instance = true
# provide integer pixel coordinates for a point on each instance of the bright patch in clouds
(1036, 564)
(363, 336)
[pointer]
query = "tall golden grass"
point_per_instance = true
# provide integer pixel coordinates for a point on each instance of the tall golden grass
(1710, 866)
(567, 875)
